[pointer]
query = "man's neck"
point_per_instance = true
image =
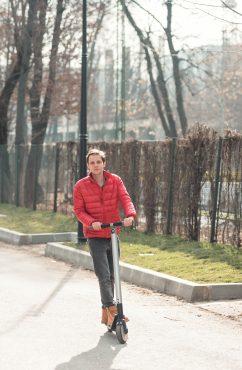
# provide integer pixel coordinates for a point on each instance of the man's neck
(99, 178)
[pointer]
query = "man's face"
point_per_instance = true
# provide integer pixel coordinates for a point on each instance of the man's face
(95, 164)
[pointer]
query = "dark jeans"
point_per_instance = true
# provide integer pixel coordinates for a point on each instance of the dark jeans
(101, 252)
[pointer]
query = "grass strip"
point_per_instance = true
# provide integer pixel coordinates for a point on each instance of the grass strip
(28, 221)
(196, 261)
(199, 262)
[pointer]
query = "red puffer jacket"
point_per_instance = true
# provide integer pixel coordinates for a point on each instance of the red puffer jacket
(94, 203)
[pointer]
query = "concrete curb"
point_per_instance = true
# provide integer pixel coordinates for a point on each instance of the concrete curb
(16, 238)
(187, 290)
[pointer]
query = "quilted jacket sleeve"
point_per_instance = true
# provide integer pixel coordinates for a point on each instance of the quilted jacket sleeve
(125, 199)
(79, 207)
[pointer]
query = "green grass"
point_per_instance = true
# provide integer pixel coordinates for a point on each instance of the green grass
(27, 221)
(199, 262)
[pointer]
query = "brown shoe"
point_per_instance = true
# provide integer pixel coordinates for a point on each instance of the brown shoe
(104, 316)
(112, 311)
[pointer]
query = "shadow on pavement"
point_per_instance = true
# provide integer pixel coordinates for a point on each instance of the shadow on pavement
(100, 357)
(57, 289)
(36, 311)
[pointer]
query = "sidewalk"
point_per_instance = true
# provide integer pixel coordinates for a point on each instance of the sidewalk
(230, 309)
(57, 324)
(184, 289)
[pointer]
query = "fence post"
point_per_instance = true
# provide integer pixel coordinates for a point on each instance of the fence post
(57, 160)
(134, 165)
(171, 187)
(213, 235)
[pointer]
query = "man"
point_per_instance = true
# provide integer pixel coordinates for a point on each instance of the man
(96, 200)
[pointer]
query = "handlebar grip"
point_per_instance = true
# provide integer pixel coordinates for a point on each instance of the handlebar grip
(115, 224)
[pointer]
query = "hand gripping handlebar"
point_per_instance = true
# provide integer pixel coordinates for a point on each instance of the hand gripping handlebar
(114, 224)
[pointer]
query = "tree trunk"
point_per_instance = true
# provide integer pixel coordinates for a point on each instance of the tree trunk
(6, 183)
(40, 119)
(155, 93)
(35, 91)
(5, 97)
(176, 70)
(21, 126)
(164, 93)
(20, 137)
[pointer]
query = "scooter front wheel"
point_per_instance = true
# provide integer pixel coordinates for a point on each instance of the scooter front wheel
(120, 333)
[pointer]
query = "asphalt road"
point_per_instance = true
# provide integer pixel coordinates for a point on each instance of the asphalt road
(50, 320)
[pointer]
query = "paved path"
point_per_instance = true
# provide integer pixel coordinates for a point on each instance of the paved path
(50, 321)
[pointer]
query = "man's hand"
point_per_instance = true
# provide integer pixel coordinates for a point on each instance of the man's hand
(96, 225)
(128, 221)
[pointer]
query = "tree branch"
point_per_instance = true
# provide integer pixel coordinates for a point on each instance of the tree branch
(229, 7)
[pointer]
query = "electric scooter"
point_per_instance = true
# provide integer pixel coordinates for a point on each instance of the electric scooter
(119, 324)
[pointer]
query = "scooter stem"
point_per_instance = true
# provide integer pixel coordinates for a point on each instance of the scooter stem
(115, 251)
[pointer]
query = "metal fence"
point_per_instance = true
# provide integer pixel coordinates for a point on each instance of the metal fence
(189, 187)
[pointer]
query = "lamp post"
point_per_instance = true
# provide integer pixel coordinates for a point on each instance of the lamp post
(123, 84)
(83, 110)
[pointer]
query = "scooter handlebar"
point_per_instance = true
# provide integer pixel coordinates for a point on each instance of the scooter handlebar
(105, 226)
(114, 224)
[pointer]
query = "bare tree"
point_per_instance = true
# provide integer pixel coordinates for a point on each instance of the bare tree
(10, 84)
(40, 115)
(159, 86)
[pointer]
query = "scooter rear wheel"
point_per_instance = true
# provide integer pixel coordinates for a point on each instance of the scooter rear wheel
(121, 335)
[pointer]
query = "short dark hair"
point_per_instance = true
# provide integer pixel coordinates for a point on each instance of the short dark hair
(95, 151)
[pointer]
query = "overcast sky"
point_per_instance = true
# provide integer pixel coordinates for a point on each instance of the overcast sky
(199, 22)
(206, 19)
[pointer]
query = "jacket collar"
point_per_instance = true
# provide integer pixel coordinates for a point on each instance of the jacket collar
(106, 175)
